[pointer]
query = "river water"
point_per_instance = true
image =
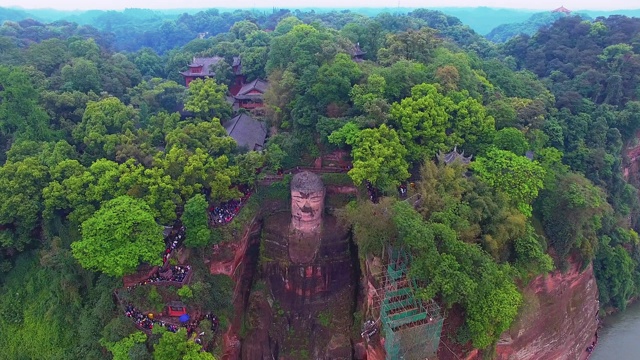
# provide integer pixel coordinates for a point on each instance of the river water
(619, 338)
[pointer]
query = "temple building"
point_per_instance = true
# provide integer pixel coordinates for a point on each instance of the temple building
(239, 79)
(452, 156)
(248, 132)
(250, 95)
(562, 9)
(200, 68)
(357, 54)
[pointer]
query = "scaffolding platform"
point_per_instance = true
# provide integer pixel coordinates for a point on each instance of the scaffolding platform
(411, 327)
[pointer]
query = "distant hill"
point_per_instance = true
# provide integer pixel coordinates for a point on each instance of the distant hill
(505, 32)
(14, 15)
(484, 19)
(496, 24)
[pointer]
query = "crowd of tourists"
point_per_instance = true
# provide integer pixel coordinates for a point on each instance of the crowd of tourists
(226, 211)
(214, 321)
(143, 321)
(175, 273)
(172, 242)
(374, 195)
(402, 190)
(178, 273)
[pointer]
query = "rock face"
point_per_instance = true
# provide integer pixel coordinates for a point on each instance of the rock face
(558, 319)
(301, 305)
(310, 278)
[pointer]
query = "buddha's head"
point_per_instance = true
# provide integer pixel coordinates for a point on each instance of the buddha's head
(307, 201)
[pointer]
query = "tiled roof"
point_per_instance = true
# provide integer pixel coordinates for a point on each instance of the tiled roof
(247, 131)
(454, 155)
(206, 63)
(257, 84)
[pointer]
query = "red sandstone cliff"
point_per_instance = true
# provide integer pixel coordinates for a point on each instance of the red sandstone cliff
(557, 319)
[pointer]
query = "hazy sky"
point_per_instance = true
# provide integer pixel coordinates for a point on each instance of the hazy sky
(294, 4)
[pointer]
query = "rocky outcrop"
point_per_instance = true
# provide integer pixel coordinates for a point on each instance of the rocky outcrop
(232, 259)
(558, 319)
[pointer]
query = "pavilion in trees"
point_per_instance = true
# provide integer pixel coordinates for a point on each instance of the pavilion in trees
(452, 156)
(176, 308)
(250, 96)
(562, 9)
(357, 54)
(200, 68)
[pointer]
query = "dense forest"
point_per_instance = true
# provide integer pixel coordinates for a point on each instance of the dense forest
(102, 145)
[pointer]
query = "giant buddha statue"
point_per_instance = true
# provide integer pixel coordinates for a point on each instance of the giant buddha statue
(308, 268)
(307, 201)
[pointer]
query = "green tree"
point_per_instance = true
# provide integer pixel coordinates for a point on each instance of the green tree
(206, 135)
(615, 271)
(275, 156)
(175, 346)
(369, 98)
(120, 349)
(511, 139)
(21, 185)
(416, 45)
(20, 114)
(103, 123)
(335, 80)
(208, 99)
(249, 165)
(285, 25)
(378, 157)
(516, 176)
(149, 63)
(196, 222)
(422, 121)
(192, 172)
(48, 55)
(459, 273)
(572, 215)
(372, 224)
(81, 75)
(242, 29)
(118, 237)
(429, 122)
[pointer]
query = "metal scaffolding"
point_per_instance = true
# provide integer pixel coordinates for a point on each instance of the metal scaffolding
(411, 327)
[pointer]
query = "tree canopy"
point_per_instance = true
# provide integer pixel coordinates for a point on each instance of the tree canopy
(118, 237)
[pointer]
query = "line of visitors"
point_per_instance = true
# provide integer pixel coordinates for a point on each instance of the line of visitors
(402, 190)
(144, 321)
(172, 242)
(226, 211)
(177, 273)
(374, 195)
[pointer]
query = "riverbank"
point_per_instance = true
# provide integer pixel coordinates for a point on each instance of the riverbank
(618, 335)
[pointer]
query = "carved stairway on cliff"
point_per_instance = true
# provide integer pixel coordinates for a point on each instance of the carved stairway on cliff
(411, 326)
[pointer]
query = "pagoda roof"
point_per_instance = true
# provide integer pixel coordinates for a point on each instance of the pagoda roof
(205, 63)
(562, 9)
(247, 131)
(452, 156)
(356, 51)
(258, 85)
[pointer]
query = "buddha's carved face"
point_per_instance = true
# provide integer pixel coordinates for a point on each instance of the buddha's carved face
(307, 207)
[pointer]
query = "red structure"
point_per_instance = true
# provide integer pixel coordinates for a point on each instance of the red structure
(200, 68)
(176, 308)
(250, 95)
(562, 9)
